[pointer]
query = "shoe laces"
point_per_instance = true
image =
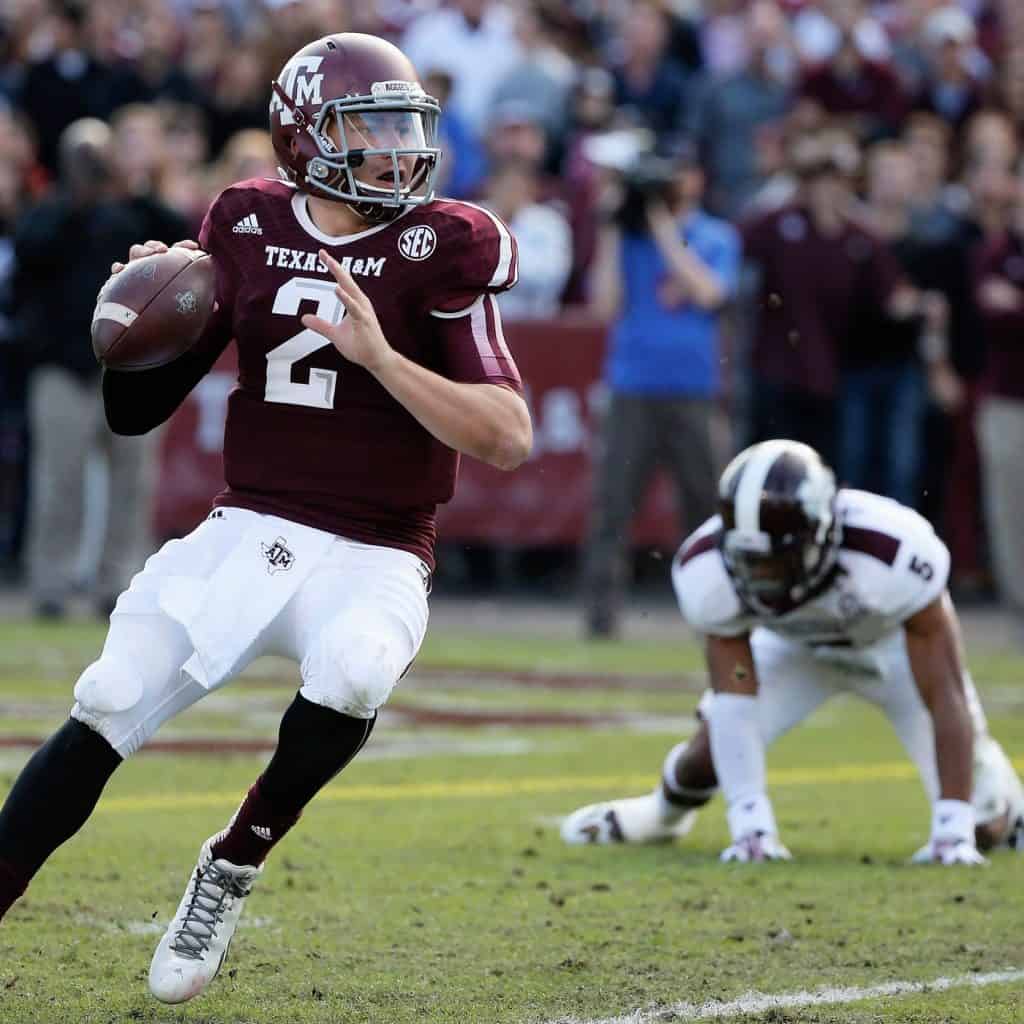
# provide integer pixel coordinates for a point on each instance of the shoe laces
(213, 893)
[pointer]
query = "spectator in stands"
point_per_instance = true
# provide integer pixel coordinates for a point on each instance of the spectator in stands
(475, 42)
(729, 111)
(464, 164)
(954, 83)
(543, 235)
(928, 140)
(1012, 85)
(13, 407)
(818, 28)
(248, 154)
(237, 98)
(592, 113)
(69, 83)
(64, 247)
(517, 136)
(663, 271)
(138, 155)
(883, 387)
(945, 237)
(160, 40)
(816, 269)
(210, 35)
(855, 85)
(1000, 296)
(651, 86)
(542, 77)
(184, 185)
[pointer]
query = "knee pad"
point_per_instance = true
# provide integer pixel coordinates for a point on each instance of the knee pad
(108, 687)
(357, 670)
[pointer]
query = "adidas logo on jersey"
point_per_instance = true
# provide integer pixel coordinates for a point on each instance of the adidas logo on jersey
(248, 226)
(262, 831)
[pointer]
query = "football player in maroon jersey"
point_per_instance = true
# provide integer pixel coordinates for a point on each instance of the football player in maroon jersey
(370, 356)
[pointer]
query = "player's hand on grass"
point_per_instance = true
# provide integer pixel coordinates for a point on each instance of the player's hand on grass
(141, 249)
(358, 337)
(755, 848)
(948, 852)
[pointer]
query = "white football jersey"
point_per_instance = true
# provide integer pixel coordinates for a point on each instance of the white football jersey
(891, 564)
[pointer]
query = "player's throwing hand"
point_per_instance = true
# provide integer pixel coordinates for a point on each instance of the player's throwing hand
(358, 336)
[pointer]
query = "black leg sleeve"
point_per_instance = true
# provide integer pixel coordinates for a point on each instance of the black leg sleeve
(54, 795)
(314, 744)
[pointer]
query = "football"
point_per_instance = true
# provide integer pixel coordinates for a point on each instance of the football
(154, 310)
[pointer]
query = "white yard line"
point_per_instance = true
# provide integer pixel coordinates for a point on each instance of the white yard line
(758, 1002)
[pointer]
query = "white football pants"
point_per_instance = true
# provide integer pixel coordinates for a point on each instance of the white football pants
(354, 626)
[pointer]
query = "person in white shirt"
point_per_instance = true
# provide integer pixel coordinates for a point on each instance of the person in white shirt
(543, 235)
(475, 42)
(803, 592)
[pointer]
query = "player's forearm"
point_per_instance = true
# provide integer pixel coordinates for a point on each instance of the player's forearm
(954, 746)
(136, 403)
(487, 421)
(933, 650)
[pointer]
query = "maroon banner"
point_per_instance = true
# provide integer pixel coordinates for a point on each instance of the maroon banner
(545, 502)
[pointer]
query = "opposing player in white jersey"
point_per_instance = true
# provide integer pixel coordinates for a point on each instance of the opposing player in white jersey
(803, 592)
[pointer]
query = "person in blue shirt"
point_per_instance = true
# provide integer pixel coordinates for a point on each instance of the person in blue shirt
(663, 271)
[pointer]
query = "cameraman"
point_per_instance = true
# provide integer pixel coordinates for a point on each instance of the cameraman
(662, 273)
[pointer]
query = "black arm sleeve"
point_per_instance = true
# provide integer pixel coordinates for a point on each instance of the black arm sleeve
(137, 401)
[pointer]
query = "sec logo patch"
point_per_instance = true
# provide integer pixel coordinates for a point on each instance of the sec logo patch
(417, 243)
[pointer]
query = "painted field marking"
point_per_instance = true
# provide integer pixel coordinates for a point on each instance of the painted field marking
(758, 1002)
(480, 789)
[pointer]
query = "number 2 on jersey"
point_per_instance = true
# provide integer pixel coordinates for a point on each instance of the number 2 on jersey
(318, 393)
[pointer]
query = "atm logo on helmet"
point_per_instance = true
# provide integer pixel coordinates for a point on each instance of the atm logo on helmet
(301, 81)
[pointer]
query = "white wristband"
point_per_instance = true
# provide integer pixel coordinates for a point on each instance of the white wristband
(953, 819)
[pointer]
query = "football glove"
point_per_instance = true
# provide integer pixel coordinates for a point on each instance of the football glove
(755, 848)
(952, 840)
(948, 852)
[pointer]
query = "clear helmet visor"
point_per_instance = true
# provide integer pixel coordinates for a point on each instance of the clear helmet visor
(385, 130)
(377, 154)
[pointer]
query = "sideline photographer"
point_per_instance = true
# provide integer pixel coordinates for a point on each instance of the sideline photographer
(663, 271)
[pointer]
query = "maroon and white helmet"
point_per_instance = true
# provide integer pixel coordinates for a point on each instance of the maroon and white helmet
(779, 533)
(367, 90)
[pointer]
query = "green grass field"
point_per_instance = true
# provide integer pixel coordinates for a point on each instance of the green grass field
(428, 883)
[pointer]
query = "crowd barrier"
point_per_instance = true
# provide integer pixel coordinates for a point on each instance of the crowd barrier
(545, 502)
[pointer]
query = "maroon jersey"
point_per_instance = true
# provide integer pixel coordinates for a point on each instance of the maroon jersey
(1002, 258)
(812, 287)
(310, 436)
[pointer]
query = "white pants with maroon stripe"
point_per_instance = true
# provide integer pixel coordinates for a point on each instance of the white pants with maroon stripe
(353, 626)
(794, 680)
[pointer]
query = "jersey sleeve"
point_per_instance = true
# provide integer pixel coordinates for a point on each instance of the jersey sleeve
(481, 257)
(900, 562)
(474, 347)
(920, 572)
(215, 238)
(706, 596)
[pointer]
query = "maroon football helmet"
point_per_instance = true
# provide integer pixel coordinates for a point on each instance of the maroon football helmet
(779, 535)
(349, 102)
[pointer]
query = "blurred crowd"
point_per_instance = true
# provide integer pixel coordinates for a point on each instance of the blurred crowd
(865, 154)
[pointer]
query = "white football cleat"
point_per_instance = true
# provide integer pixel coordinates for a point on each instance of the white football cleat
(637, 819)
(755, 848)
(196, 941)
